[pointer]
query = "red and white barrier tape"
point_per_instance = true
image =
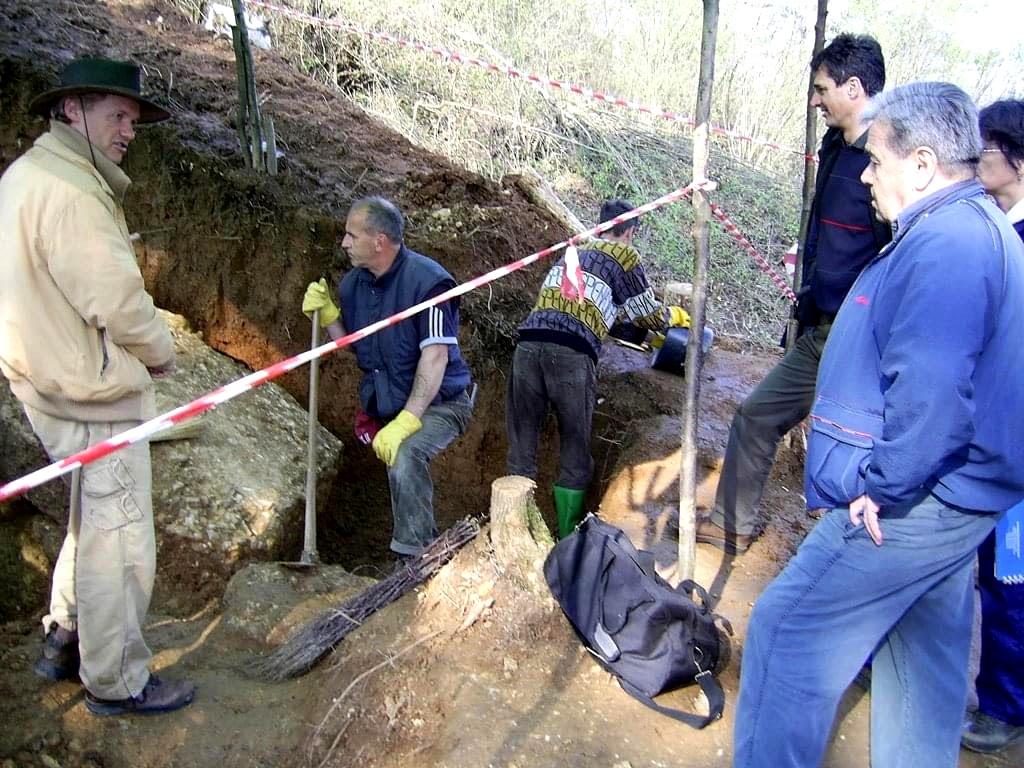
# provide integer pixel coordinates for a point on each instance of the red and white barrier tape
(543, 80)
(734, 232)
(258, 378)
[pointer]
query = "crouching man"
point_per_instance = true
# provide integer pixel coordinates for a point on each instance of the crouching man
(415, 392)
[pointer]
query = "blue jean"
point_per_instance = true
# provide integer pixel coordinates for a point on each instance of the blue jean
(412, 487)
(840, 599)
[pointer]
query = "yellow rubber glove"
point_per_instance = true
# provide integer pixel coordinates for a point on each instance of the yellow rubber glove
(389, 439)
(318, 297)
(657, 340)
(678, 317)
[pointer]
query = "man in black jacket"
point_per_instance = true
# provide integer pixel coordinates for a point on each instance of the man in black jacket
(843, 235)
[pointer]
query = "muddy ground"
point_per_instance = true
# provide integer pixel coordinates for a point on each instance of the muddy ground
(438, 679)
(468, 671)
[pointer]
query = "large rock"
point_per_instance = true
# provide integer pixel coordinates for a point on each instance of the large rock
(265, 602)
(232, 494)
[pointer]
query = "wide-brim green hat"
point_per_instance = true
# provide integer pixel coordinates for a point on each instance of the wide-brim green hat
(100, 76)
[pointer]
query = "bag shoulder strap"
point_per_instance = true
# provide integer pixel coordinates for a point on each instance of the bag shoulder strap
(712, 690)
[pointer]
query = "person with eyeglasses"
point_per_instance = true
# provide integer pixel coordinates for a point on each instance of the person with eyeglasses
(999, 720)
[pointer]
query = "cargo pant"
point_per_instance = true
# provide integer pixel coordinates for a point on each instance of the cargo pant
(103, 579)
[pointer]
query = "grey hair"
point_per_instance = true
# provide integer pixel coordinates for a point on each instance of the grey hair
(935, 115)
(382, 217)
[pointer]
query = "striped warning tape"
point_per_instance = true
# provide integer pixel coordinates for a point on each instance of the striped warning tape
(542, 80)
(258, 378)
(734, 232)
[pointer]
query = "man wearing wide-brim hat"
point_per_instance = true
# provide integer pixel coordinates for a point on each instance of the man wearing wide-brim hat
(80, 342)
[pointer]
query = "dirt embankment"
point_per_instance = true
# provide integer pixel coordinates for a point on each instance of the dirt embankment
(233, 251)
(437, 679)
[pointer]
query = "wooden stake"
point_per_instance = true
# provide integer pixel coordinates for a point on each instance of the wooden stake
(810, 147)
(241, 110)
(271, 154)
(243, 53)
(701, 257)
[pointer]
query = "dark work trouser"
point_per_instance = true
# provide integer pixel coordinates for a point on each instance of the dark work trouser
(780, 402)
(544, 373)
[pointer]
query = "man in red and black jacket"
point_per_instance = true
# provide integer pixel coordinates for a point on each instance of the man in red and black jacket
(843, 235)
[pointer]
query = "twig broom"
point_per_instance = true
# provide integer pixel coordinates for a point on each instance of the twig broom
(316, 639)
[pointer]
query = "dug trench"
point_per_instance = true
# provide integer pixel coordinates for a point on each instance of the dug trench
(471, 670)
(233, 251)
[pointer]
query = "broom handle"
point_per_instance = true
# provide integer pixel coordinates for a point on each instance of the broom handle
(309, 541)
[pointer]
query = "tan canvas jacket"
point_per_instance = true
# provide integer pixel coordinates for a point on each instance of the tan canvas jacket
(77, 329)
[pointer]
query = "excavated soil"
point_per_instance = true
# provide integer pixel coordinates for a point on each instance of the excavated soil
(470, 671)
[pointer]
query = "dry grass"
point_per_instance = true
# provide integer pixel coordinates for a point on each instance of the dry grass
(497, 125)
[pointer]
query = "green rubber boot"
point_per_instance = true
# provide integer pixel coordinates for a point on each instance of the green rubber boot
(568, 509)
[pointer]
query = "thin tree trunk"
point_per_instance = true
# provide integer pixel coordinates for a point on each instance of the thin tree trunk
(243, 52)
(810, 146)
(242, 109)
(694, 350)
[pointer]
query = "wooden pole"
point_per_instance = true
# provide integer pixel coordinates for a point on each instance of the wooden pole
(701, 256)
(242, 109)
(243, 53)
(810, 146)
(271, 154)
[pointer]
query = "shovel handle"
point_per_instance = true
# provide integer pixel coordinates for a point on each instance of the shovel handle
(309, 539)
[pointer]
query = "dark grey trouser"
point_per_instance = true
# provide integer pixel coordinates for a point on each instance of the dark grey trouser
(780, 402)
(412, 487)
(544, 373)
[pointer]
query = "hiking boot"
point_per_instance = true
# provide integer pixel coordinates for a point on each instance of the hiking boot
(59, 660)
(730, 543)
(984, 733)
(157, 697)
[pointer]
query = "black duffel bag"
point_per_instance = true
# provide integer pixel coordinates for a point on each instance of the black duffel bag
(652, 637)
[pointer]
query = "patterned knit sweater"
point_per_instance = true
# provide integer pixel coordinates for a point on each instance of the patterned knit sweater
(615, 283)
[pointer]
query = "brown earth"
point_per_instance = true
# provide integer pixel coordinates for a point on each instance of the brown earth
(444, 677)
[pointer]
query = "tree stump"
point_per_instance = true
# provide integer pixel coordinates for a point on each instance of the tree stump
(519, 535)
(678, 294)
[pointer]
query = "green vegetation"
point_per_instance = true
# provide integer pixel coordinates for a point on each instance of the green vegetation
(645, 50)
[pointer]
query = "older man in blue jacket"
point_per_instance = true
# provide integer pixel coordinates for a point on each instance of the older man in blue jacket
(915, 449)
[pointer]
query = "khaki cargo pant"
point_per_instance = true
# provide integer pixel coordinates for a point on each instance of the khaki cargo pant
(103, 579)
